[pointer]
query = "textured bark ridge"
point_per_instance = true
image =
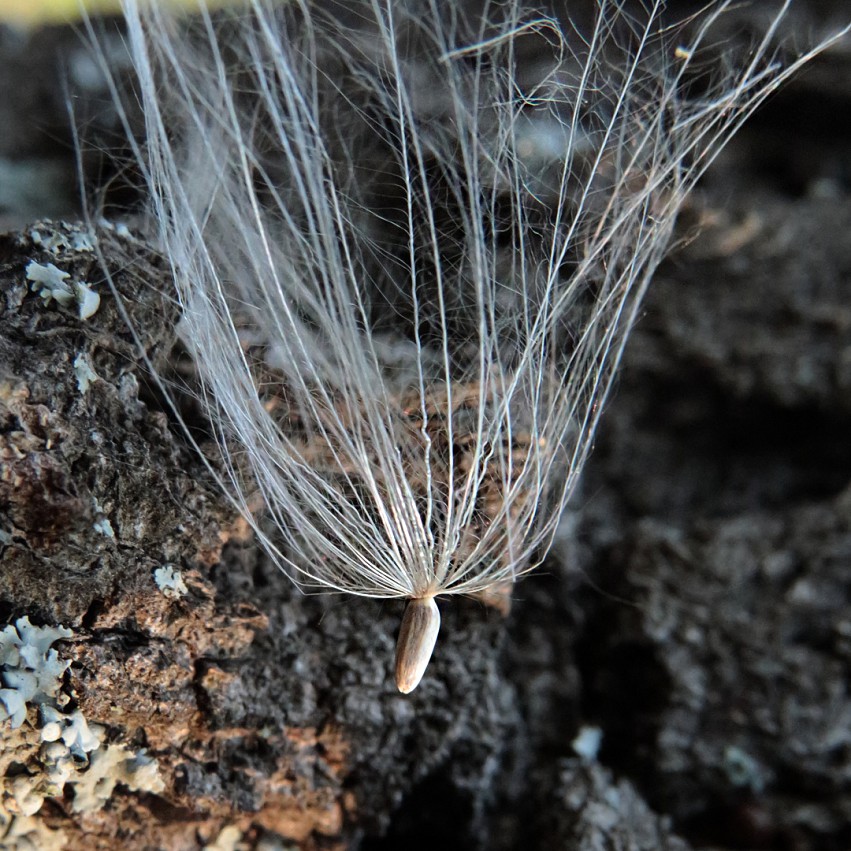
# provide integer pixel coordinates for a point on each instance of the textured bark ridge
(695, 611)
(269, 714)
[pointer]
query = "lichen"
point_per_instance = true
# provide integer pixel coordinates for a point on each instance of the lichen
(25, 833)
(30, 671)
(72, 729)
(587, 743)
(109, 766)
(229, 839)
(50, 282)
(88, 301)
(118, 228)
(53, 285)
(170, 581)
(42, 752)
(102, 525)
(86, 376)
(64, 237)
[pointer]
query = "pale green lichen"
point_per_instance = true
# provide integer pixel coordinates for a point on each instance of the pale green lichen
(170, 581)
(102, 525)
(42, 753)
(64, 238)
(53, 285)
(72, 729)
(88, 301)
(50, 282)
(30, 671)
(86, 376)
(109, 766)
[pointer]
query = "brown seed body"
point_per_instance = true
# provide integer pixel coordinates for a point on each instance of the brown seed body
(417, 637)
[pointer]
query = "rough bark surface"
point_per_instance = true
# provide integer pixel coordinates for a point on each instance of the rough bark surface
(696, 609)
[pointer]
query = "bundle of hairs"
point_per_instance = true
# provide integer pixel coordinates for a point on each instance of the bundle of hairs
(408, 240)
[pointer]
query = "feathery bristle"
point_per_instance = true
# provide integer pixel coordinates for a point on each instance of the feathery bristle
(409, 240)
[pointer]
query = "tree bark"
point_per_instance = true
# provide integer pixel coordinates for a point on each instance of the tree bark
(695, 609)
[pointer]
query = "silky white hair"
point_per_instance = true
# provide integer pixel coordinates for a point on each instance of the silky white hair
(409, 239)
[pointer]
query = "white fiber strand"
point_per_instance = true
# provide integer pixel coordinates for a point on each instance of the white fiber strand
(409, 239)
